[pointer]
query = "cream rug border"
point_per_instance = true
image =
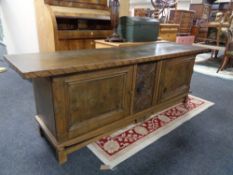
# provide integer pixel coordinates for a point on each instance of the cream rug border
(112, 161)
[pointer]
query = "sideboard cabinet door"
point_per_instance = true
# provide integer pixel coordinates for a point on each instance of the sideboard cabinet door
(85, 102)
(175, 77)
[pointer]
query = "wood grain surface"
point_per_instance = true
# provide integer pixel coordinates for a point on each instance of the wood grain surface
(60, 63)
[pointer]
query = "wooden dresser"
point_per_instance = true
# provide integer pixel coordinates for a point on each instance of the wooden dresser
(184, 18)
(71, 24)
(200, 27)
(168, 32)
(83, 95)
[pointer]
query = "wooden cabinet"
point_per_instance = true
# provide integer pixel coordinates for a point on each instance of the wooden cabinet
(95, 4)
(83, 95)
(200, 27)
(71, 25)
(175, 77)
(90, 104)
(168, 32)
(184, 18)
(202, 11)
(91, 100)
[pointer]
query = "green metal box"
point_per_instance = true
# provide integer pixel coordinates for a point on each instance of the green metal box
(138, 29)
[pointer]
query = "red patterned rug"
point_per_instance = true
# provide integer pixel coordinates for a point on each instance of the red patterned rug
(124, 143)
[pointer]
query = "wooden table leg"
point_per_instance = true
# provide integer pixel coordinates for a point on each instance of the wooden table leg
(61, 156)
(186, 100)
(225, 61)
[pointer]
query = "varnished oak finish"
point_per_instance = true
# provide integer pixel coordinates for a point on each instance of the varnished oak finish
(100, 44)
(60, 63)
(93, 4)
(71, 24)
(83, 95)
(168, 32)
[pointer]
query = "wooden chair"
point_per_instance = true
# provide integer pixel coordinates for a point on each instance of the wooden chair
(221, 24)
(228, 54)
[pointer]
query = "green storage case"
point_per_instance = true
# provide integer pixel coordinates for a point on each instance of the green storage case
(138, 29)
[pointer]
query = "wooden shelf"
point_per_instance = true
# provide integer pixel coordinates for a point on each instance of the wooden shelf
(71, 12)
(85, 34)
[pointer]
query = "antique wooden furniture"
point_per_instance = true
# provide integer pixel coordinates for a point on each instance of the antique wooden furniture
(168, 32)
(228, 54)
(184, 18)
(99, 44)
(202, 11)
(82, 95)
(93, 4)
(71, 24)
(201, 18)
(143, 12)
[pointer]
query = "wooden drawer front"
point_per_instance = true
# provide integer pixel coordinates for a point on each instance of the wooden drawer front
(175, 77)
(67, 35)
(89, 44)
(96, 4)
(93, 101)
(168, 36)
(144, 88)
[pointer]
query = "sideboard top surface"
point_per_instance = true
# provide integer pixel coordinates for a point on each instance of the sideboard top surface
(60, 63)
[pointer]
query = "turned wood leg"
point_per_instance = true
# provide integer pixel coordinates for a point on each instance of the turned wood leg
(61, 156)
(216, 54)
(186, 99)
(224, 63)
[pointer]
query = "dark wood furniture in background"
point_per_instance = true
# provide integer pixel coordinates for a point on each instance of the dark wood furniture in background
(201, 19)
(184, 18)
(83, 95)
(71, 24)
(91, 4)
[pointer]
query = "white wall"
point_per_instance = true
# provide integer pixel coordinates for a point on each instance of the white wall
(19, 25)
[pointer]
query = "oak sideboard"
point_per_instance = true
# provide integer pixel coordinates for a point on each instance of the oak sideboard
(83, 95)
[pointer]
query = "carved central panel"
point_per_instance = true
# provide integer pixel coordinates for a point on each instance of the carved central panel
(144, 88)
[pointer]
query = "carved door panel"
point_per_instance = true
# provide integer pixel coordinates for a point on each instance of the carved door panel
(144, 87)
(90, 101)
(175, 77)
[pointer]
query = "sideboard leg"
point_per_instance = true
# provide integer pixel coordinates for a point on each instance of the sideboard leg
(61, 156)
(41, 132)
(186, 99)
